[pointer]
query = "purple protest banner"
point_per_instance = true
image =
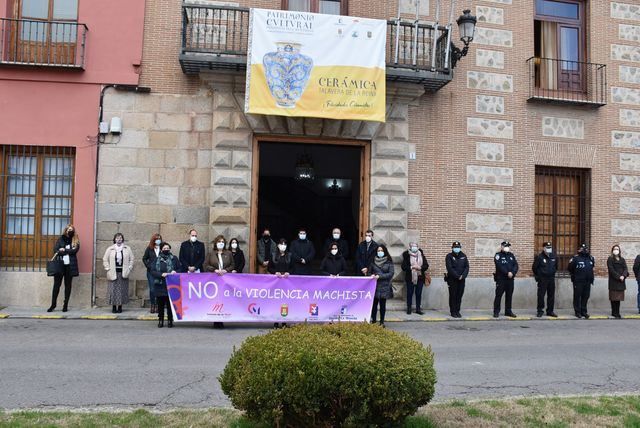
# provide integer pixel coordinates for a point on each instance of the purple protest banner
(209, 297)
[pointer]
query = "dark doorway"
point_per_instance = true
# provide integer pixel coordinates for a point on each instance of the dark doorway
(288, 198)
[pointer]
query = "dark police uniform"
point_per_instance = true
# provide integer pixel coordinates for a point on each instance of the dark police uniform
(544, 270)
(505, 263)
(457, 270)
(581, 269)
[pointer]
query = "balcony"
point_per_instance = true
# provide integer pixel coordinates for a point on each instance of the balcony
(34, 43)
(215, 38)
(567, 82)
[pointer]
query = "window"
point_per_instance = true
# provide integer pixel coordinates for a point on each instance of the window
(559, 44)
(36, 203)
(47, 32)
(329, 7)
(562, 210)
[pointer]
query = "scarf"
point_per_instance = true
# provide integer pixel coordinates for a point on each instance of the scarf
(118, 254)
(416, 262)
(168, 260)
(380, 261)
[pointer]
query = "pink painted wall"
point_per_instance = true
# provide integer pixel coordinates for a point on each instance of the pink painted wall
(49, 107)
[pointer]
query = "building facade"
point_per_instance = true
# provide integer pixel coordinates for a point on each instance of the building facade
(56, 56)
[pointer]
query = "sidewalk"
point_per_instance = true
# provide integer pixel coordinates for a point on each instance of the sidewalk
(143, 314)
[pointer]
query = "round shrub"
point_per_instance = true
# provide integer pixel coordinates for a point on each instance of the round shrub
(351, 374)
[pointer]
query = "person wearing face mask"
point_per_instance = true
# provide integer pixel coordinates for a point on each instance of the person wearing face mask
(544, 270)
(506, 270)
(148, 259)
(581, 269)
(336, 238)
(220, 260)
(365, 253)
(333, 263)
(382, 270)
(164, 265)
(118, 262)
(414, 265)
(266, 251)
(303, 252)
(238, 255)
(192, 253)
(281, 265)
(66, 248)
(618, 273)
(457, 265)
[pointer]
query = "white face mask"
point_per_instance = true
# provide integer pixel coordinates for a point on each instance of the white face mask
(548, 250)
(367, 238)
(414, 249)
(234, 245)
(336, 236)
(282, 247)
(506, 249)
(616, 252)
(194, 238)
(334, 252)
(302, 236)
(220, 245)
(381, 254)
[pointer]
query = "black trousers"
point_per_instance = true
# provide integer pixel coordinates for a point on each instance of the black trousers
(456, 290)
(163, 302)
(503, 287)
(581, 293)
(546, 286)
(57, 282)
(615, 308)
(418, 292)
(374, 310)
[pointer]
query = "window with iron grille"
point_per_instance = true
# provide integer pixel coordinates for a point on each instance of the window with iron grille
(562, 210)
(36, 203)
(329, 7)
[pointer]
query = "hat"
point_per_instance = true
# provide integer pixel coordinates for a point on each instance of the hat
(505, 244)
(547, 245)
(456, 244)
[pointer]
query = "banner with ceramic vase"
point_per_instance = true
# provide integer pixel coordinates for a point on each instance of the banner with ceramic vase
(209, 297)
(315, 65)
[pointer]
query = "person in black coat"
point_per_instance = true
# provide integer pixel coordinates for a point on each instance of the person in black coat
(457, 265)
(66, 248)
(148, 259)
(506, 270)
(238, 255)
(382, 270)
(334, 263)
(636, 272)
(414, 265)
(281, 265)
(365, 253)
(544, 270)
(581, 269)
(165, 264)
(303, 252)
(192, 253)
(618, 273)
(336, 238)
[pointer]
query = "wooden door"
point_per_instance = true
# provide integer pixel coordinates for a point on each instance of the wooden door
(570, 69)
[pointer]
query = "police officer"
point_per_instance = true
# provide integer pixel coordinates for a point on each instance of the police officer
(457, 270)
(506, 270)
(544, 270)
(581, 269)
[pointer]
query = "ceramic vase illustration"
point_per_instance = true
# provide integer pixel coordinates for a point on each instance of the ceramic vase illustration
(287, 72)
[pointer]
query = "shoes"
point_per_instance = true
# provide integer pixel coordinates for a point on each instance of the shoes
(154, 309)
(114, 310)
(419, 312)
(65, 308)
(496, 314)
(552, 314)
(586, 316)
(539, 314)
(458, 315)
(372, 321)
(160, 323)
(170, 324)
(618, 316)
(453, 315)
(578, 315)
(218, 325)
(409, 311)
(510, 315)
(120, 309)
(382, 324)
(275, 325)
(51, 308)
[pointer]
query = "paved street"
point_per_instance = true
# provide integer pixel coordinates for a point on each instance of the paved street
(89, 363)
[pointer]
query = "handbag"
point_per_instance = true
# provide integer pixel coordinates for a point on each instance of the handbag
(427, 278)
(54, 266)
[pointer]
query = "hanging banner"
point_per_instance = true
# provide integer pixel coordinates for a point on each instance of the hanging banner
(314, 65)
(209, 297)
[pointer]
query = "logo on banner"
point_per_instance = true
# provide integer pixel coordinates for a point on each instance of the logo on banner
(284, 310)
(313, 310)
(254, 309)
(343, 310)
(217, 308)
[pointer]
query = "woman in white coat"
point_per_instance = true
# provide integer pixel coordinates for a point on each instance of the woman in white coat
(118, 262)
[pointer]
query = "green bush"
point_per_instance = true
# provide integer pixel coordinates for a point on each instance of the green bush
(343, 374)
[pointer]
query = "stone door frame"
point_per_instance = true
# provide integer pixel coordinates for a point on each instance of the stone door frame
(365, 179)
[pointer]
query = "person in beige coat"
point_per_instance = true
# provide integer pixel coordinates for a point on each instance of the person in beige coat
(118, 262)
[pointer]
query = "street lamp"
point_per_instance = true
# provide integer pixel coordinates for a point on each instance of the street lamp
(467, 28)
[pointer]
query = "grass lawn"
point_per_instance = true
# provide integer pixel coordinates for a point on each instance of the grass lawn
(623, 411)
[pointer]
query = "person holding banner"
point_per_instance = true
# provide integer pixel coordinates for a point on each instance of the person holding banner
(334, 263)
(382, 270)
(365, 252)
(281, 265)
(303, 252)
(238, 255)
(149, 259)
(266, 251)
(165, 264)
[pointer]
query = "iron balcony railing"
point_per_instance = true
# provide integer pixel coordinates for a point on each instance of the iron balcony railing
(216, 38)
(42, 43)
(567, 82)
